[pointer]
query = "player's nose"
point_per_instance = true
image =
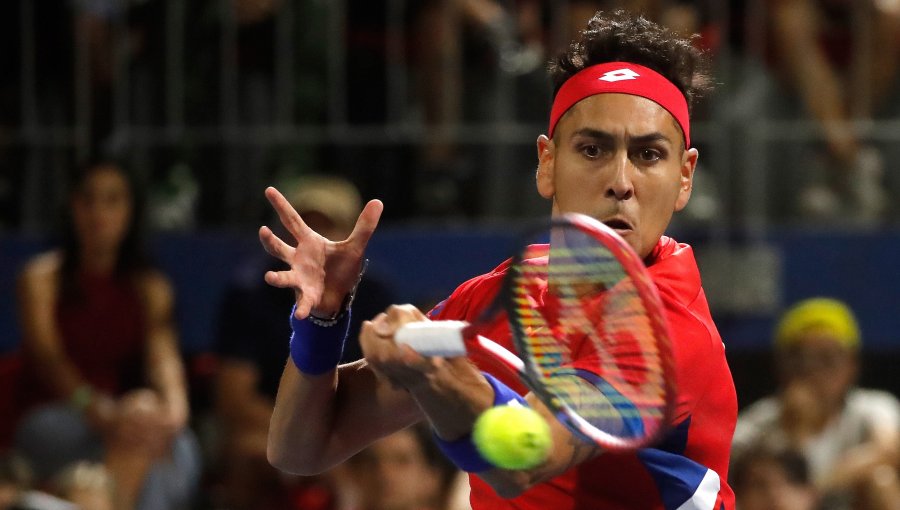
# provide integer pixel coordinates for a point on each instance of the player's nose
(620, 186)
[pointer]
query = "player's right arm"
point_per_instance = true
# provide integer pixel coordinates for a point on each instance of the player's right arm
(320, 420)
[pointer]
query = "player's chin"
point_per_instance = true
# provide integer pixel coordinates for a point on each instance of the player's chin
(630, 236)
(636, 241)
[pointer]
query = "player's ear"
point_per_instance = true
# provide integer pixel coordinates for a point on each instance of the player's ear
(686, 182)
(546, 152)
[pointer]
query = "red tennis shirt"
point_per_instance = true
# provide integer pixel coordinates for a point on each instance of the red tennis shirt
(688, 470)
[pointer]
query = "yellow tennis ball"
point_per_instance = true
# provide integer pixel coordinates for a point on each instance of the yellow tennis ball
(512, 437)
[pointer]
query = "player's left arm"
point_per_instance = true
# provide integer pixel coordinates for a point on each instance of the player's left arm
(567, 452)
(164, 367)
(452, 393)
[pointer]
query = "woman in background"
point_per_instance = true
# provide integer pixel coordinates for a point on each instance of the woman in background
(106, 374)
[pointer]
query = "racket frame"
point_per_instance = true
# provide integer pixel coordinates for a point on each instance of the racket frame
(460, 338)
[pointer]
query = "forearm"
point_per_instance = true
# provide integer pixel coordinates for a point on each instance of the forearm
(453, 409)
(806, 66)
(319, 421)
(58, 372)
(452, 412)
(855, 466)
(41, 339)
(884, 55)
(301, 421)
(166, 372)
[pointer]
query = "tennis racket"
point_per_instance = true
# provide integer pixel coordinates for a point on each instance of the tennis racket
(588, 330)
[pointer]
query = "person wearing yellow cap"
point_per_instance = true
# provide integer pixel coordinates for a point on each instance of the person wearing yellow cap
(850, 436)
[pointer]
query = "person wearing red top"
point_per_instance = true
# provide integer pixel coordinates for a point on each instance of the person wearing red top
(617, 149)
(697, 449)
(104, 379)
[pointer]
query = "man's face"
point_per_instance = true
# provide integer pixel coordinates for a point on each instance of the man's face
(767, 486)
(394, 474)
(822, 363)
(619, 159)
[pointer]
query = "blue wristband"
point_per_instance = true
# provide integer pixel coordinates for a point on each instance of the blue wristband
(503, 394)
(463, 451)
(464, 454)
(318, 349)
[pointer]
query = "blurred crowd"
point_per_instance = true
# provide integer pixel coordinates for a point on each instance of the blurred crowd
(430, 105)
(101, 418)
(419, 104)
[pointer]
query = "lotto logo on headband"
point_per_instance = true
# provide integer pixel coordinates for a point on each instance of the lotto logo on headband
(622, 78)
(619, 75)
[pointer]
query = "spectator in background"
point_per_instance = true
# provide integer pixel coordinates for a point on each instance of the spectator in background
(253, 345)
(767, 479)
(103, 369)
(14, 480)
(88, 485)
(403, 471)
(849, 436)
(841, 58)
(494, 47)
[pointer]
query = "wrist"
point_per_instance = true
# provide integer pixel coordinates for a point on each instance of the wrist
(329, 316)
(101, 412)
(81, 398)
(177, 412)
(316, 345)
(329, 319)
(463, 452)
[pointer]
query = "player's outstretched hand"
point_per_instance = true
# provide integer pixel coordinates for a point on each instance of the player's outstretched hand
(321, 272)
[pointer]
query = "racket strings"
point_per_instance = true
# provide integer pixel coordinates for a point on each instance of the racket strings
(588, 338)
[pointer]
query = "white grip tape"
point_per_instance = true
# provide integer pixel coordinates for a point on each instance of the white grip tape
(436, 338)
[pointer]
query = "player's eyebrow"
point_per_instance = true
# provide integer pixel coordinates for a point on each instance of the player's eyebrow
(597, 134)
(606, 136)
(649, 138)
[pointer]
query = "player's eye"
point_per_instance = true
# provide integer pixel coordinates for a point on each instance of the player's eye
(649, 155)
(592, 151)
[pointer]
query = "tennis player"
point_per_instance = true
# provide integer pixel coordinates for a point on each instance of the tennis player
(618, 149)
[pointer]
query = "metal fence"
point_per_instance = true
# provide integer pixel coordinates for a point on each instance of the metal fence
(209, 101)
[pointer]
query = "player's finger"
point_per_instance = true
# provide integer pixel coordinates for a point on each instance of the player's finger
(367, 222)
(286, 213)
(371, 342)
(401, 314)
(414, 360)
(381, 326)
(282, 279)
(274, 246)
(310, 297)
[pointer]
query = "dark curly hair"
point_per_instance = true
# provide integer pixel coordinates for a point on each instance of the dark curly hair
(622, 36)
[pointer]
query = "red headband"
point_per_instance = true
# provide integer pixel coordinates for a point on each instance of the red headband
(622, 78)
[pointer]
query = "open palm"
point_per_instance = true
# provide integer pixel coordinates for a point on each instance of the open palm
(321, 272)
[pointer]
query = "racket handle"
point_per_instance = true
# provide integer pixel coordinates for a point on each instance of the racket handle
(435, 338)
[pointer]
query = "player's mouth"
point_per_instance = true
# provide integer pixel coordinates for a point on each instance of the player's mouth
(621, 226)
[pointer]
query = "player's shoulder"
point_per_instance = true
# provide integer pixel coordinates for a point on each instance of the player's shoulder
(471, 296)
(486, 281)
